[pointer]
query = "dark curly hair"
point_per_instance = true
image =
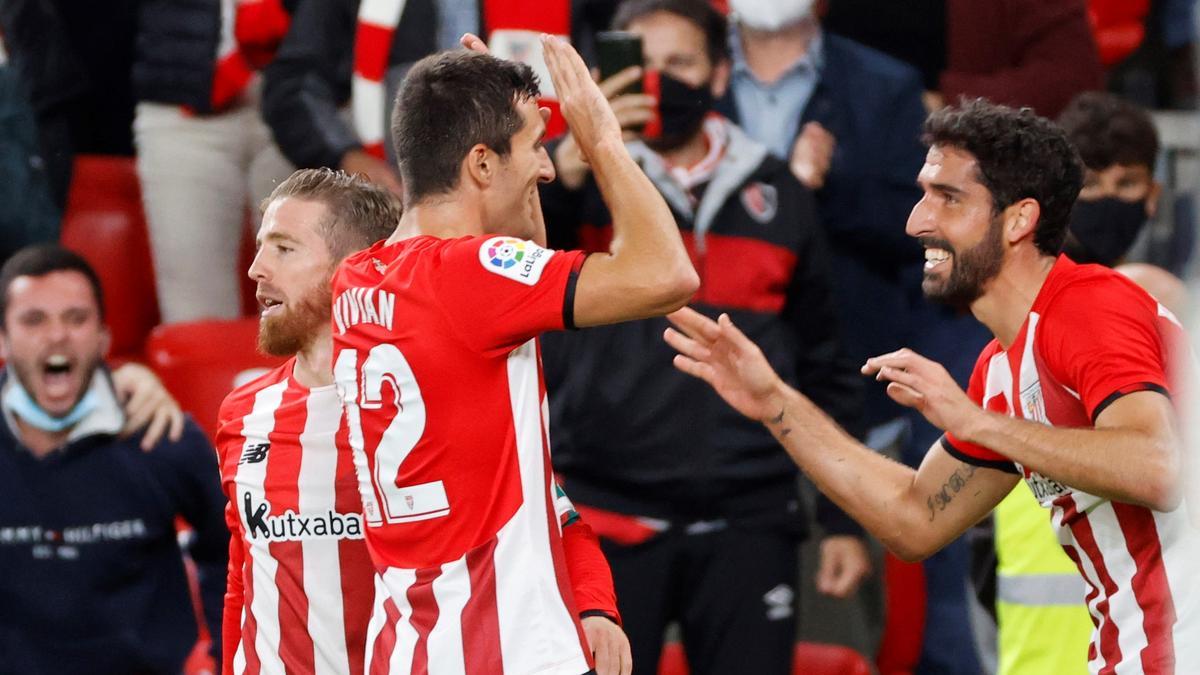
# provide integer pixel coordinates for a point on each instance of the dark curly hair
(449, 102)
(1107, 130)
(1019, 156)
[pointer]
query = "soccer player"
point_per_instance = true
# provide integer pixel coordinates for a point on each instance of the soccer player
(436, 358)
(300, 577)
(1072, 395)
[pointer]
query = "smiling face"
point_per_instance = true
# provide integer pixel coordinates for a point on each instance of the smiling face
(54, 338)
(292, 268)
(511, 203)
(956, 224)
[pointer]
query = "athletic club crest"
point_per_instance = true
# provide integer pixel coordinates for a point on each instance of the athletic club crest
(761, 201)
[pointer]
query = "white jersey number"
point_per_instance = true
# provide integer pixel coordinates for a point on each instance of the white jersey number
(362, 392)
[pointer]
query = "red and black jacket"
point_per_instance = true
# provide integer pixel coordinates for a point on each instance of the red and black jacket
(633, 435)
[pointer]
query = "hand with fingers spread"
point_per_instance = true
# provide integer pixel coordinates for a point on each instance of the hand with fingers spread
(147, 404)
(609, 645)
(631, 110)
(584, 106)
(721, 355)
(925, 386)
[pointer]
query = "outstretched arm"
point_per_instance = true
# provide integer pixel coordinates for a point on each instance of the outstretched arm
(914, 513)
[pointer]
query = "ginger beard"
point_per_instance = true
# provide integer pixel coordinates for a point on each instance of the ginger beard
(288, 332)
(969, 271)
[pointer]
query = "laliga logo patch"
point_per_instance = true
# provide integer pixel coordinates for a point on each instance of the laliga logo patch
(515, 259)
(761, 201)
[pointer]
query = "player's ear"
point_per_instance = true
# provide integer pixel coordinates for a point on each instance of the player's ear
(480, 165)
(1021, 219)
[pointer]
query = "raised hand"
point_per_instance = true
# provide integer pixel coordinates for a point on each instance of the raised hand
(721, 355)
(632, 111)
(583, 104)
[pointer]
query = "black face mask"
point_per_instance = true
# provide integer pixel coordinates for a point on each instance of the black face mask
(681, 111)
(1102, 230)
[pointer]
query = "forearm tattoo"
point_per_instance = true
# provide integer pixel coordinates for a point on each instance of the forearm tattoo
(777, 420)
(938, 501)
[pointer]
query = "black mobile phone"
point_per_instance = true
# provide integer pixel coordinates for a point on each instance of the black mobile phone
(616, 51)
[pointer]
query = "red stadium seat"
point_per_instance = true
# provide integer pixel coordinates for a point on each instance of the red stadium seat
(904, 625)
(104, 223)
(815, 658)
(200, 362)
(811, 658)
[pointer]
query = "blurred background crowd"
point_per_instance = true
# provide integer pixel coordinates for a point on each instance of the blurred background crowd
(144, 133)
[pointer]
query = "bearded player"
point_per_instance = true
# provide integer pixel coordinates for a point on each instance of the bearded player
(1073, 395)
(300, 576)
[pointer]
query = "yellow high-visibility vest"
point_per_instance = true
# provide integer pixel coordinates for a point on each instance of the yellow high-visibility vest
(1044, 625)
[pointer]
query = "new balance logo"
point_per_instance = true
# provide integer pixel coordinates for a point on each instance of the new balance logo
(254, 453)
(291, 526)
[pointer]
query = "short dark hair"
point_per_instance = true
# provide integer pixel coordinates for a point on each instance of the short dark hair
(1020, 156)
(447, 104)
(39, 260)
(1107, 130)
(360, 212)
(700, 12)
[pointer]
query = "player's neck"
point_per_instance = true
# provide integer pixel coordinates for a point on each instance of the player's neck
(443, 218)
(314, 363)
(1005, 304)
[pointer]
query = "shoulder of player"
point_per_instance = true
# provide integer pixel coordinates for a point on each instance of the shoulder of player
(239, 402)
(1086, 289)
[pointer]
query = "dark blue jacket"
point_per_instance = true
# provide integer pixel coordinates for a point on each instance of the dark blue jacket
(871, 103)
(91, 576)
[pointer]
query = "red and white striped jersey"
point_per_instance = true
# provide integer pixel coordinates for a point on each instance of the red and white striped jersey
(1091, 337)
(298, 598)
(438, 366)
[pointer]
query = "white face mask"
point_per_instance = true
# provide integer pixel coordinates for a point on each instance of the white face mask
(770, 15)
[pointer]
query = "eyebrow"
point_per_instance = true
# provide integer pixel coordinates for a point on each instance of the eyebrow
(944, 188)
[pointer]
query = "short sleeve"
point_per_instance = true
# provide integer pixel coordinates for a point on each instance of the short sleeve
(499, 292)
(972, 453)
(1102, 342)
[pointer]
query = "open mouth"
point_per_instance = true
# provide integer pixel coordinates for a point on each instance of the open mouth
(935, 258)
(58, 376)
(269, 305)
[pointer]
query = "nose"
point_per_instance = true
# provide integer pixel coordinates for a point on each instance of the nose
(258, 271)
(920, 222)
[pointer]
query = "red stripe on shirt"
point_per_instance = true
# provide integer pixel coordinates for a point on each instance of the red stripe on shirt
(480, 617)
(424, 615)
(358, 573)
(282, 487)
(1109, 634)
(1150, 587)
(385, 642)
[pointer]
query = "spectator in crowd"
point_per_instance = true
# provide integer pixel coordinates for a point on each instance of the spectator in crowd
(697, 511)
(93, 576)
(1042, 624)
(204, 155)
(1036, 53)
(292, 417)
(328, 94)
(848, 121)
